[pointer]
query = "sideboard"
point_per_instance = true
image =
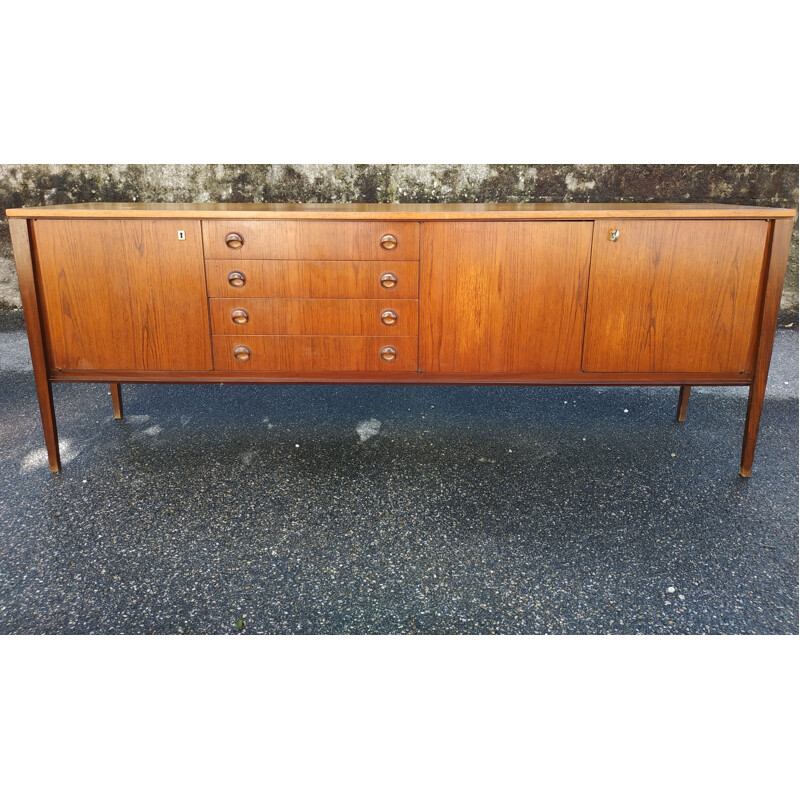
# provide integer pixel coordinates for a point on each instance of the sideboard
(582, 293)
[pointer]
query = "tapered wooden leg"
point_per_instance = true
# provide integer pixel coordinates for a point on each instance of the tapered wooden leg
(116, 399)
(779, 245)
(44, 390)
(20, 239)
(755, 402)
(683, 403)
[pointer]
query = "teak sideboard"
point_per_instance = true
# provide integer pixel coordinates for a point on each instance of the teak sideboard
(591, 294)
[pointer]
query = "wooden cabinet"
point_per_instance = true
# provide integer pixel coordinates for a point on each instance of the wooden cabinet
(642, 294)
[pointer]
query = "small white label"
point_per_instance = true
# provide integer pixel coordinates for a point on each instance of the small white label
(181, 235)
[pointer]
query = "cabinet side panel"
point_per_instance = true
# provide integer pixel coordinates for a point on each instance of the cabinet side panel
(674, 295)
(503, 296)
(124, 294)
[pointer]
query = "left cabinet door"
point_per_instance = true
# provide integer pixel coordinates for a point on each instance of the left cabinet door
(123, 294)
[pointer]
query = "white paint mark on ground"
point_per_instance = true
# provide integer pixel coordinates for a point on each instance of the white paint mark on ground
(247, 458)
(185, 419)
(368, 429)
(137, 419)
(38, 458)
(153, 430)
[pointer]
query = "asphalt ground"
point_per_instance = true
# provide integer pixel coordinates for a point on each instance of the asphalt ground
(391, 509)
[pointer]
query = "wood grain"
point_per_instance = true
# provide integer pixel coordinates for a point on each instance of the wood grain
(503, 296)
(123, 294)
(319, 279)
(278, 316)
(311, 239)
(316, 353)
(403, 211)
(20, 239)
(673, 296)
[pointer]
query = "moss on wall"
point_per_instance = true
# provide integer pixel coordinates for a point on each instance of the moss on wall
(50, 184)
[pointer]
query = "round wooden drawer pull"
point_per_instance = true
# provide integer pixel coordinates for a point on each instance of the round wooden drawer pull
(389, 241)
(388, 354)
(237, 279)
(234, 240)
(389, 317)
(241, 353)
(388, 280)
(240, 316)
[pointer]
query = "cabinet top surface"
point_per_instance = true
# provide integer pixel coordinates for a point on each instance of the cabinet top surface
(401, 211)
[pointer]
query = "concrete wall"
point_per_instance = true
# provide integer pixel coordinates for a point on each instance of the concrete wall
(50, 184)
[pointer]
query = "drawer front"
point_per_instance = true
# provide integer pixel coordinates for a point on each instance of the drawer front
(304, 317)
(317, 240)
(315, 353)
(323, 279)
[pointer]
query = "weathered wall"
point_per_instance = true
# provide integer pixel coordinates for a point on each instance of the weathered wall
(49, 184)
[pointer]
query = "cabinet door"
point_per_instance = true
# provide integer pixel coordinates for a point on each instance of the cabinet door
(503, 296)
(123, 294)
(673, 295)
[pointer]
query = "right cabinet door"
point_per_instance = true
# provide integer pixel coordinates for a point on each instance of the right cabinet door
(673, 295)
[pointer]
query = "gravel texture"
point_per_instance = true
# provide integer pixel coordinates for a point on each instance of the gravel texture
(304, 509)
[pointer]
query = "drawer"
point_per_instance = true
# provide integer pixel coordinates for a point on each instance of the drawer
(318, 240)
(308, 317)
(315, 353)
(325, 279)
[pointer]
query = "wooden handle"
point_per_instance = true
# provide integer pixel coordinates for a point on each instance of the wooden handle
(388, 354)
(237, 279)
(234, 240)
(241, 353)
(389, 241)
(388, 280)
(389, 317)
(240, 316)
